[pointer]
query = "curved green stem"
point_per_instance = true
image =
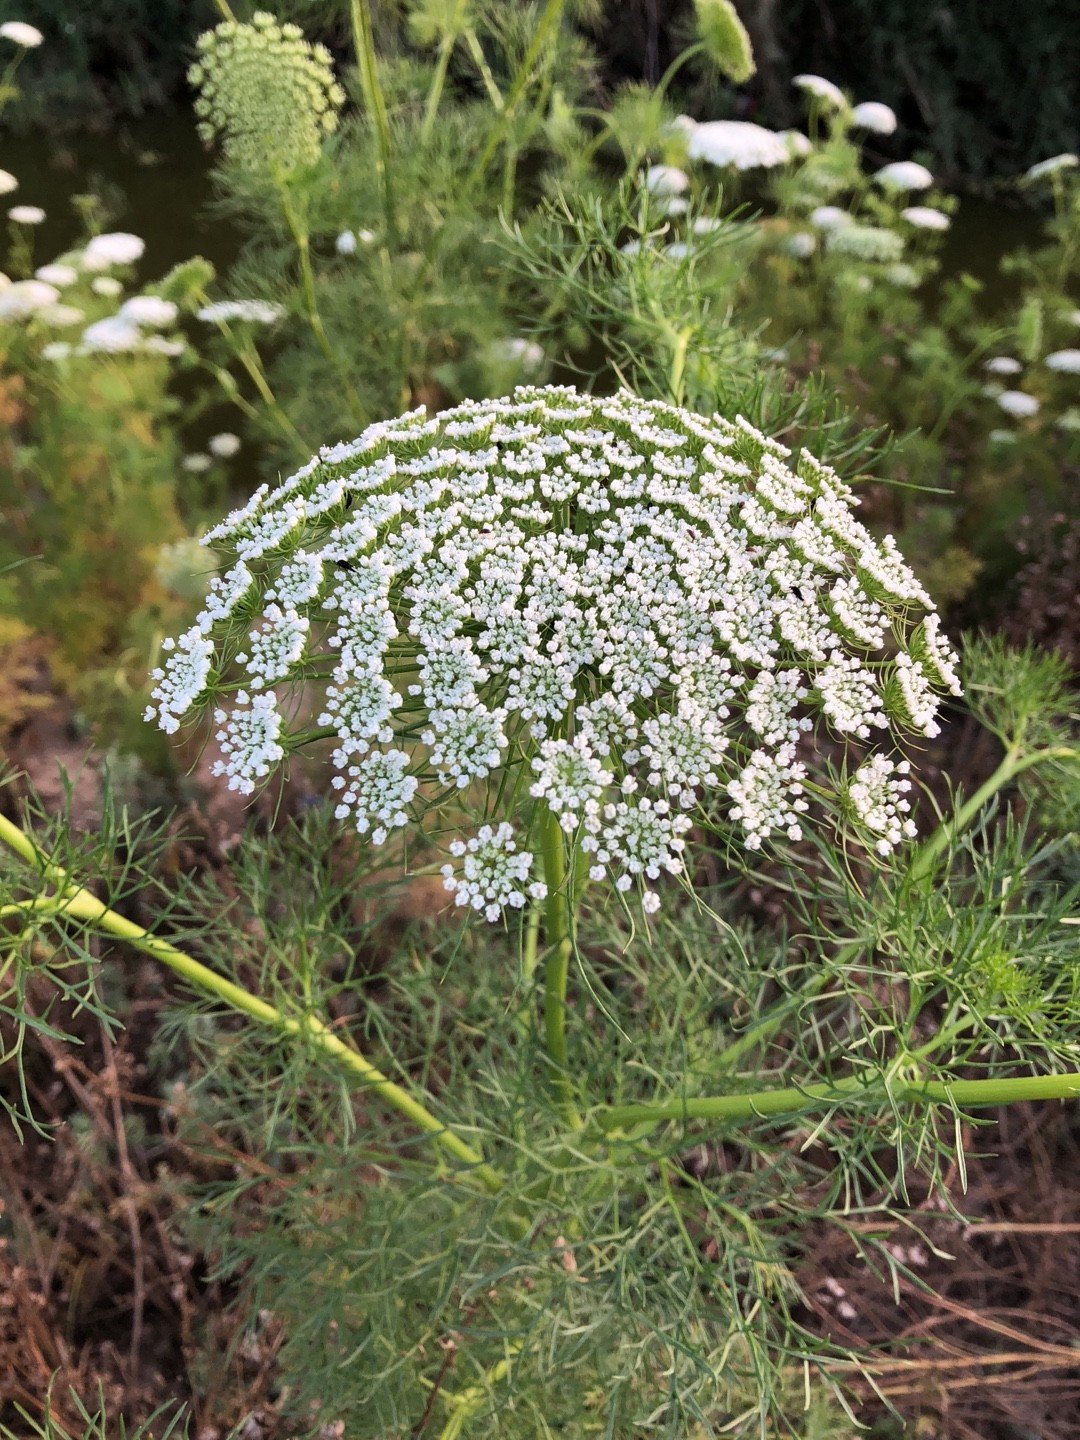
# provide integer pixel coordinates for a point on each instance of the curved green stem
(763, 1104)
(77, 903)
(558, 934)
(1012, 765)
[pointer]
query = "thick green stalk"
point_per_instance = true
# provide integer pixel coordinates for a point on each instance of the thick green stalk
(765, 1103)
(438, 82)
(1012, 765)
(368, 65)
(558, 935)
(79, 904)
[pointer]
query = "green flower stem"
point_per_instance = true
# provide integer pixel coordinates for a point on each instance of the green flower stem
(368, 65)
(77, 903)
(299, 231)
(766, 1103)
(549, 20)
(438, 81)
(558, 935)
(1012, 765)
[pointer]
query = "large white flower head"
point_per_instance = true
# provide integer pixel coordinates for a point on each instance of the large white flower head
(597, 610)
(738, 145)
(267, 93)
(874, 116)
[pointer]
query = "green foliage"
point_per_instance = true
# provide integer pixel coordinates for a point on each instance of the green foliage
(618, 1281)
(164, 1424)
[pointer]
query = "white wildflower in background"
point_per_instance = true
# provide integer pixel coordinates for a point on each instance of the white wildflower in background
(8, 183)
(904, 175)
(346, 243)
(1002, 437)
(58, 275)
(29, 37)
(1018, 404)
(197, 463)
(162, 345)
(864, 242)
(517, 350)
(119, 247)
(244, 312)
(802, 245)
(738, 145)
(149, 311)
(61, 315)
(224, 446)
(55, 351)
(925, 217)
(1067, 362)
(26, 215)
(666, 180)
(1053, 166)
(821, 89)
(829, 217)
(114, 335)
(107, 286)
(607, 607)
(25, 297)
(874, 116)
(1003, 365)
(905, 276)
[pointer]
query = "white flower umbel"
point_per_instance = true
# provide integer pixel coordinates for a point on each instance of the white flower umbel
(149, 311)
(116, 248)
(738, 145)
(26, 215)
(1066, 362)
(1003, 365)
(25, 298)
(573, 613)
(1018, 403)
(925, 217)
(493, 872)
(224, 446)
(874, 116)
(58, 275)
(1054, 166)
(877, 795)
(243, 312)
(8, 182)
(666, 180)
(863, 242)
(27, 37)
(821, 89)
(904, 175)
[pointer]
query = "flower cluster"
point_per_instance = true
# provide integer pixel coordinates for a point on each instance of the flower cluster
(267, 93)
(604, 608)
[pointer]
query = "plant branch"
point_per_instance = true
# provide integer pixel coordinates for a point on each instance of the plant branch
(76, 903)
(763, 1104)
